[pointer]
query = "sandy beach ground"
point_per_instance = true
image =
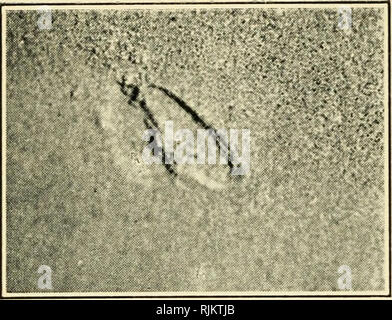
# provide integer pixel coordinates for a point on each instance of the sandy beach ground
(81, 200)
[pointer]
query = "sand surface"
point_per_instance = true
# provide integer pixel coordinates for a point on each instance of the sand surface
(81, 200)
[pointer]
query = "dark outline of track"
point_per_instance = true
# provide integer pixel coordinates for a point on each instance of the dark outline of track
(151, 123)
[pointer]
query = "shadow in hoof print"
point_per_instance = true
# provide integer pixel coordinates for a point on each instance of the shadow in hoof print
(159, 104)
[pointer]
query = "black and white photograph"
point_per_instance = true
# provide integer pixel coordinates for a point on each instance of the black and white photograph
(195, 149)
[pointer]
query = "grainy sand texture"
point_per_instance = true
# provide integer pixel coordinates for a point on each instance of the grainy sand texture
(81, 200)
